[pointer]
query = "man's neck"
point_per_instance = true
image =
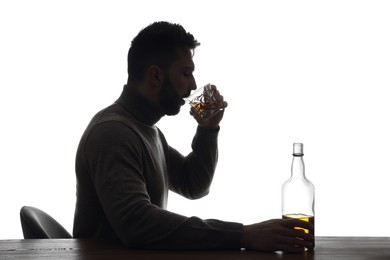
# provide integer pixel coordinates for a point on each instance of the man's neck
(139, 105)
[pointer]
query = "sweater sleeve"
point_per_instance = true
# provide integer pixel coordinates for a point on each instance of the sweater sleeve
(191, 175)
(116, 161)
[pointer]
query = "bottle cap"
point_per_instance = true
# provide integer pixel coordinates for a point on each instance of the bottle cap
(298, 149)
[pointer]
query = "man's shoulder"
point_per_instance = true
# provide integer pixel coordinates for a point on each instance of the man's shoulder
(108, 127)
(107, 120)
(115, 121)
(107, 114)
(111, 114)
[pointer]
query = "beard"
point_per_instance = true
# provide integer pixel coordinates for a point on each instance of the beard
(169, 99)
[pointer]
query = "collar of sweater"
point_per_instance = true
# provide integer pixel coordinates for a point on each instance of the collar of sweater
(138, 106)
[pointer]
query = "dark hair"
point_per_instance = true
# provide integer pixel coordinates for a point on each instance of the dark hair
(157, 44)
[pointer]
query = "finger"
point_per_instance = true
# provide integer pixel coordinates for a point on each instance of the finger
(302, 235)
(195, 113)
(225, 104)
(220, 103)
(303, 240)
(294, 238)
(217, 95)
(220, 112)
(288, 244)
(291, 235)
(215, 92)
(298, 223)
(296, 242)
(298, 234)
(290, 248)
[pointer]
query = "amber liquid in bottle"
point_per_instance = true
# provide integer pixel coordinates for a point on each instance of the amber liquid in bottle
(303, 217)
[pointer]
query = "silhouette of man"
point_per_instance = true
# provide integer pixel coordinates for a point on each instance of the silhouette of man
(125, 167)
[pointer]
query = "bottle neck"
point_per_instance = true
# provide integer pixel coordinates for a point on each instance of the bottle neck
(298, 167)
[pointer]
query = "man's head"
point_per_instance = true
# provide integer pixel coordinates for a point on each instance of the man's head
(157, 44)
(160, 60)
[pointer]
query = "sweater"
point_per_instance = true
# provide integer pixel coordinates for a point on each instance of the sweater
(124, 170)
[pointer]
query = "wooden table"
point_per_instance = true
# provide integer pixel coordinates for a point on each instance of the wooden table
(332, 248)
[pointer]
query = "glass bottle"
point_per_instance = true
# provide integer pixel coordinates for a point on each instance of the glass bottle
(298, 191)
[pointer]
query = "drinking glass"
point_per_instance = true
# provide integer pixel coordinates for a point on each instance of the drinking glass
(206, 100)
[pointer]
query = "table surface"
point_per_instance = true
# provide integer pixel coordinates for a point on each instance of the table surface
(356, 248)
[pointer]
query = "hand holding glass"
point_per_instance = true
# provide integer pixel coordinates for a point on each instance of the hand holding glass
(207, 101)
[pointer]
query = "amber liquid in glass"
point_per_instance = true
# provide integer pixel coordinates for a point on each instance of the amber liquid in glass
(301, 217)
(200, 106)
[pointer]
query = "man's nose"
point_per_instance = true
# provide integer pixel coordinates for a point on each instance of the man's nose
(193, 85)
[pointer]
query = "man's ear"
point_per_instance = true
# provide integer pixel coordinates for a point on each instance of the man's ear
(155, 75)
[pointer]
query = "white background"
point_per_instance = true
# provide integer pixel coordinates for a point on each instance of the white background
(315, 72)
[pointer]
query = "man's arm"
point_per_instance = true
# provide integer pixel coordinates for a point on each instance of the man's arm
(117, 174)
(191, 175)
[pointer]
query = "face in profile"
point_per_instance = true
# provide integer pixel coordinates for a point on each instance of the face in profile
(178, 83)
(170, 100)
